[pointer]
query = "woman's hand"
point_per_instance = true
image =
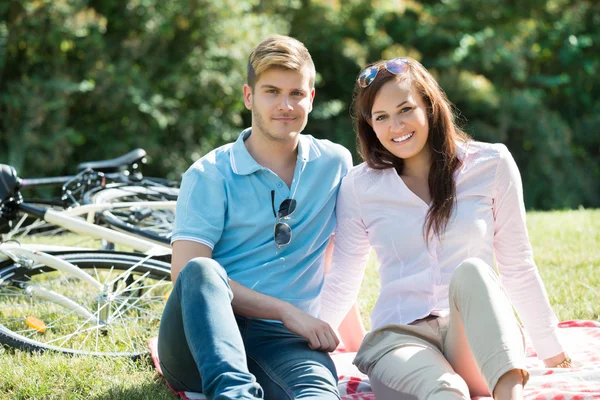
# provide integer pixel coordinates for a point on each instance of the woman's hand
(553, 362)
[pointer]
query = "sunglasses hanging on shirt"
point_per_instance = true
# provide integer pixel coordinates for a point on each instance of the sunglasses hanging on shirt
(282, 233)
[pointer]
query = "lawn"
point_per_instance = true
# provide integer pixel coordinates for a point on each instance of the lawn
(567, 251)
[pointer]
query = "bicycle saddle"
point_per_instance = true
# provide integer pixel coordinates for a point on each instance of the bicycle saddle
(8, 181)
(115, 164)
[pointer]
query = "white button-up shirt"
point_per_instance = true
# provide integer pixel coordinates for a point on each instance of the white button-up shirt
(376, 209)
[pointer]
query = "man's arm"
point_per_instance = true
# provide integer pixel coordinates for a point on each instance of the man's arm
(183, 252)
(250, 303)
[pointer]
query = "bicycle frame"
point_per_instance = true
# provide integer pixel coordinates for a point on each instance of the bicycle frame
(68, 219)
(108, 306)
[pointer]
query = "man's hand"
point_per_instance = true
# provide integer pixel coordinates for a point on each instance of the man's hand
(317, 332)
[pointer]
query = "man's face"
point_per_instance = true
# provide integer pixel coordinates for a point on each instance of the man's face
(280, 102)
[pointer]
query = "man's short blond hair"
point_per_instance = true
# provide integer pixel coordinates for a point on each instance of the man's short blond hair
(278, 51)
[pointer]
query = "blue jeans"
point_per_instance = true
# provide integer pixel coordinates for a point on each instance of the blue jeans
(204, 347)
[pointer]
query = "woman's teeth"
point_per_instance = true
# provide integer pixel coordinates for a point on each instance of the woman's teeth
(403, 138)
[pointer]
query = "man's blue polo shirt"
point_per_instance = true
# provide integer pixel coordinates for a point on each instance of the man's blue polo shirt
(225, 203)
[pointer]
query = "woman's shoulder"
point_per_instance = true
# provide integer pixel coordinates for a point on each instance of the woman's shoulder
(362, 172)
(362, 177)
(478, 152)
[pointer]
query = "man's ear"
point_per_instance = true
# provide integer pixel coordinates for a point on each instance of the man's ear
(312, 98)
(248, 96)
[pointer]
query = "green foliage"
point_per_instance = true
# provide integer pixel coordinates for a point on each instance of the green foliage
(88, 79)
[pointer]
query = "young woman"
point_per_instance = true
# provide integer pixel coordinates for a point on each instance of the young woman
(437, 208)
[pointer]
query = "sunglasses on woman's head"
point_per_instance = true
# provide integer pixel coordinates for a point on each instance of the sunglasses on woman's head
(396, 66)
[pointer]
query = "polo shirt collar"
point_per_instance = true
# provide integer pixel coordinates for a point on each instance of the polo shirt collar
(307, 149)
(242, 162)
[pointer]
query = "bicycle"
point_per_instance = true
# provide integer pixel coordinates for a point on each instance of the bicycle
(115, 180)
(78, 301)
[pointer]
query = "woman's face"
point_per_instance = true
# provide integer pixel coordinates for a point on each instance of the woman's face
(399, 119)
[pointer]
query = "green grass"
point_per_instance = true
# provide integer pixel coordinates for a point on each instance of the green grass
(567, 251)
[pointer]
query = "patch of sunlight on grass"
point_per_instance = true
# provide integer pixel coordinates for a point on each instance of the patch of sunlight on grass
(52, 376)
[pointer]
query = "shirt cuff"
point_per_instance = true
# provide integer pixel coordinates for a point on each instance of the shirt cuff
(547, 346)
(193, 239)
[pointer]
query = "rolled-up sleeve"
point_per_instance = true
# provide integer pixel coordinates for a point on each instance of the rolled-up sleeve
(201, 206)
(350, 256)
(514, 256)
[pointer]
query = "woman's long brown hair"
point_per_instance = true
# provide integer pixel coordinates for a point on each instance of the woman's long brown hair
(442, 138)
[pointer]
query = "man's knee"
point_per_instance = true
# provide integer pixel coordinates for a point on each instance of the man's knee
(203, 269)
(203, 272)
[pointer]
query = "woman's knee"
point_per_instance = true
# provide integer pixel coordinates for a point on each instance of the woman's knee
(472, 271)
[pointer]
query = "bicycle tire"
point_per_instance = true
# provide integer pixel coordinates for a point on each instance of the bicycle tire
(152, 224)
(138, 299)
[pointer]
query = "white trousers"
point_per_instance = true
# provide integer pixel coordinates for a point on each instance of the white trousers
(460, 355)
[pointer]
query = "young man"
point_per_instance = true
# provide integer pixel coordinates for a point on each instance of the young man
(253, 221)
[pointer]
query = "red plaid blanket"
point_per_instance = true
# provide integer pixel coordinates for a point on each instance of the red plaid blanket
(582, 382)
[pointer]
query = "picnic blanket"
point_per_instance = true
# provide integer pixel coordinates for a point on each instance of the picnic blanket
(582, 382)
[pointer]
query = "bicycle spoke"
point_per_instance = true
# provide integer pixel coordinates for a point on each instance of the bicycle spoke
(131, 307)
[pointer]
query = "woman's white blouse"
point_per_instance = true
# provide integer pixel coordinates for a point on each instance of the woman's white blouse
(376, 209)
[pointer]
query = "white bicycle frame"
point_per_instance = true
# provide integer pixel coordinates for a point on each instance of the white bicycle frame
(69, 220)
(27, 254)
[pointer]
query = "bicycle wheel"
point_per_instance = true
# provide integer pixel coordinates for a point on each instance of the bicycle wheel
(151, 223)
(125, 314)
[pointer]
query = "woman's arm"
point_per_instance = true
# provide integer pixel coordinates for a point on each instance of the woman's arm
(350, 255)
(514, 256)
(351, 330)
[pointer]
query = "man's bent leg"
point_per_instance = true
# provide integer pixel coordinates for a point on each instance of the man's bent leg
(199, 336)
(285, 366)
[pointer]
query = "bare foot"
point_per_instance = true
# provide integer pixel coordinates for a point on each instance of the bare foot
(509, 386)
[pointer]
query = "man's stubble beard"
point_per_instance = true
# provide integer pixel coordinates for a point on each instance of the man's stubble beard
(260, 125)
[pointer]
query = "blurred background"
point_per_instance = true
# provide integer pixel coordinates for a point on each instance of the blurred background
(90, 79)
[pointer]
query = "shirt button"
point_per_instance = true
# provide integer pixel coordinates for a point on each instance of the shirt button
(279, 184)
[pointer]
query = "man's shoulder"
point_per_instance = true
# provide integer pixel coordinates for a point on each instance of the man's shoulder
(328, 149)
(216, 163)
